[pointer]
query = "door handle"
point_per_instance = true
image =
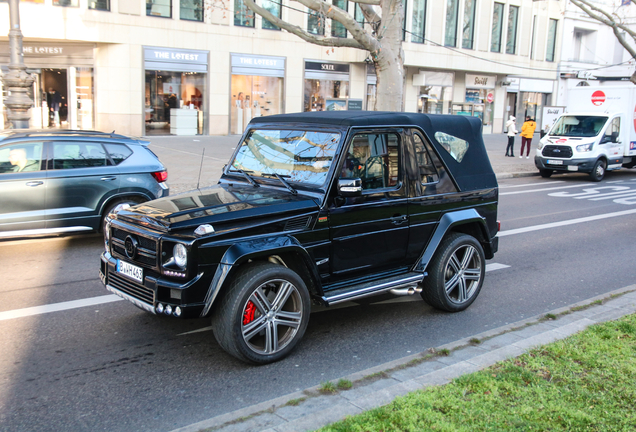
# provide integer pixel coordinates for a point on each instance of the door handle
(108, 178)
(399, 219)
(34, 183)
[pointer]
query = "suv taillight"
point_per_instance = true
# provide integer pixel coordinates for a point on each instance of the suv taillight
(160, 176)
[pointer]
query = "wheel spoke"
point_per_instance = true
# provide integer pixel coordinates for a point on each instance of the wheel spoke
(289, 319)
(454, 263)
(472, 274)
(254, 328)
(461, 290)
(261, 301)
(451, 283)
(283, 294)
(468, 256)
(271, 338)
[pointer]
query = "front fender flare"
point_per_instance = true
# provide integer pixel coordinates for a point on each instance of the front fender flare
(240, 252)
(446, 223)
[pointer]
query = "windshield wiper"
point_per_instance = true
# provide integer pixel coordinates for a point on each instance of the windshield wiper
(246, 175)
(283, 181)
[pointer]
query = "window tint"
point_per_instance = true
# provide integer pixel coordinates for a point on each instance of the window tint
(118, 152)
(70, 155)
(456, 147)
(374, 159)
(21, 157)
(428, 173)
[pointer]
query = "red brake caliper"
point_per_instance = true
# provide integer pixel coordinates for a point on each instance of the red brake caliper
(248, 315)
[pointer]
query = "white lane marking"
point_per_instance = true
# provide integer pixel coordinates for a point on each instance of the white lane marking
(201, 330)
(565, 223)
(542, 189)
(495, 266)
(531, 184)
(57, 307)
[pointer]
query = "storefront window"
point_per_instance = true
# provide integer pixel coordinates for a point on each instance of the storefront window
(326, 95)
(99, 4)
(532, 104)
(274, 8)
(159, 8)
(243, 16)
(483, 102)
(165, 90)
(191, 10)
(72, 3)
(435, 99)
(83, 96)
(254, 96)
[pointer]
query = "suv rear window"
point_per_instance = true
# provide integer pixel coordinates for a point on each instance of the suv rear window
(118, 152)
(70, 155)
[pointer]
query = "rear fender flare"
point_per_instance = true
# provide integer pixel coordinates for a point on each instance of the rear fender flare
(240, 253)
(446, 224)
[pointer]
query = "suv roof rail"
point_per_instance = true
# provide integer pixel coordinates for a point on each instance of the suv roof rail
(44, 132)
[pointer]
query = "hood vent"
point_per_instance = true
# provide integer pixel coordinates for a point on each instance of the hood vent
(298, 223)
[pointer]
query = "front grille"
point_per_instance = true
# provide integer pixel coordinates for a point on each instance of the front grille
(297, 224)
(131, 288)
(146, 251)
(557, 151)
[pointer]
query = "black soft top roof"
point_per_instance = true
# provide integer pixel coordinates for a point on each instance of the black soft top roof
(474, 171)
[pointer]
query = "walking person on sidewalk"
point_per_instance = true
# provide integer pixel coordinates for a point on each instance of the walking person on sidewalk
(527, 131)
(512, 131)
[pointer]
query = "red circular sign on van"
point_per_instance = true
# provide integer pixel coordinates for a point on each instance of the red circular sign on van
(490, 98)
(598, 97)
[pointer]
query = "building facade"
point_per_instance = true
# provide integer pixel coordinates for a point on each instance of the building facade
(188, 67)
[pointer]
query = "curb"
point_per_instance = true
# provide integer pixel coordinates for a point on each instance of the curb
(310, 409)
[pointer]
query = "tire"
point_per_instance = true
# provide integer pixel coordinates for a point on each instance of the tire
(252, 323)
(456, 273)
(111, 206)
(546, 173)
(598, 172)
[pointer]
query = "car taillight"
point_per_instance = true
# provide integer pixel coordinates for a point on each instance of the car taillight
(160, 176)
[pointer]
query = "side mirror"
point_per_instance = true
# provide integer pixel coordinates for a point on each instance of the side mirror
(349, 187)
(615, 137)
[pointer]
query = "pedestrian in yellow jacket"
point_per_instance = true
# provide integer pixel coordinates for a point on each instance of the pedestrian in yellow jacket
(527, 132)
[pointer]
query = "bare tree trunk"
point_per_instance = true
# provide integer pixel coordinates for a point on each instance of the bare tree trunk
(389, 58)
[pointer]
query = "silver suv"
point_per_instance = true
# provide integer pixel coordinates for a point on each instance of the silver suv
(53, 182)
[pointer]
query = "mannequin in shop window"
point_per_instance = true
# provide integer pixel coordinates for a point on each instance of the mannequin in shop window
(54, 101)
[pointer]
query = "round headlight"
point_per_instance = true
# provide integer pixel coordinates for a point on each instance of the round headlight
(180, 254)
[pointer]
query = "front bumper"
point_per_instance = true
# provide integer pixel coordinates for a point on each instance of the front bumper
(156, 289)
(566, 165)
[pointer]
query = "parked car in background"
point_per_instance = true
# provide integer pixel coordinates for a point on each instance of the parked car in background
(318, 207)
(54, 182)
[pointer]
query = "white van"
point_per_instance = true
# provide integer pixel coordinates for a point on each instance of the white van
(597, 133)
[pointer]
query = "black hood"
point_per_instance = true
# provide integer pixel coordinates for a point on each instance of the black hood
(222, 206)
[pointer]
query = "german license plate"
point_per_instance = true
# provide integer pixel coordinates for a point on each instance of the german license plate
(554, 162)
(132, 271)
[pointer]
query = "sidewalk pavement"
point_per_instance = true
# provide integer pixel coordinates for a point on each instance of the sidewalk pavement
(309, 410)
(186, 156)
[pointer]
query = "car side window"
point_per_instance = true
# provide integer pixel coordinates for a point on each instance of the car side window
(613, 129)
(456, 147)
(118, 152)
(373, 158)
(71, 155)
(426, 167)
(21, 157)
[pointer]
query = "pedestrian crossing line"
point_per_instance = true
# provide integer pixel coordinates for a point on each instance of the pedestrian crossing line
(58, 307)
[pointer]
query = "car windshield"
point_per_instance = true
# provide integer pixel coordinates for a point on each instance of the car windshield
(296, 155)
(578, 126)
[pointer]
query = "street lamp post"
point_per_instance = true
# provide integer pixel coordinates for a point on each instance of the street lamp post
(17, 81)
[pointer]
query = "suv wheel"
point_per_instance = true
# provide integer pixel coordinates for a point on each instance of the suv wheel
(598, 172)
(456, 273)
(263, 314)
(546, 173)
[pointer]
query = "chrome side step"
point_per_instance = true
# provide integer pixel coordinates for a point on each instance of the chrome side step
(404, 284)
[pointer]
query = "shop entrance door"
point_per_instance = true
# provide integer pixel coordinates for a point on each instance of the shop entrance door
(55, 83)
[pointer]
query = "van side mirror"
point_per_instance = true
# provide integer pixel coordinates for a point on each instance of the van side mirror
(349, 187)
(614, 137)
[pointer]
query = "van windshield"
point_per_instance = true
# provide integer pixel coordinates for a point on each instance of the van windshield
(578, 126)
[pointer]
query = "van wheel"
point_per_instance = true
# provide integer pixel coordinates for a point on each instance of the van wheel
(598, 172)
(546, 173)
(263, 314)
(456, 273)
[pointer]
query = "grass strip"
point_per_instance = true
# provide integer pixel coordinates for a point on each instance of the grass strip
(582, 383)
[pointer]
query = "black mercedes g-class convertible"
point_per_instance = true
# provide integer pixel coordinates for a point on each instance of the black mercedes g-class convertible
(321, 207)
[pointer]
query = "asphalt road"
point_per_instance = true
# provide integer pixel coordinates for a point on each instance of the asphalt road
(100, 364)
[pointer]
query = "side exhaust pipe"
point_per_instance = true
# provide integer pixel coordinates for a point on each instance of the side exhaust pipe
(414, 289)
